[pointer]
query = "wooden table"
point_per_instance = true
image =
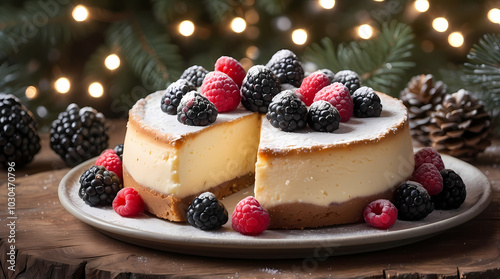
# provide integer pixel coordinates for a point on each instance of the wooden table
(51, 243)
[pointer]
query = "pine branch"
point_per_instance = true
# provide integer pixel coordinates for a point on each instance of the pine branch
(10, 79)
(163, 9)
(217, 8)
(273, 7)
(147, 49)
(381, 62)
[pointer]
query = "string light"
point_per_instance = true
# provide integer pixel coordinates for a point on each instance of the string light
(494, 15)
(252, 52)
(186, 28)
(31, 92)
(112, 62)
(422, 5)
(440, 24)
(62, 85)
(327, 4)
(96, 90)
(299, 36)
(365, 31)
(238, 24)
(456, 39)
(80, 13)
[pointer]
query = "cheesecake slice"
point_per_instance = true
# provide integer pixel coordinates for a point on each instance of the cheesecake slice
(170, 163)
(309, 179)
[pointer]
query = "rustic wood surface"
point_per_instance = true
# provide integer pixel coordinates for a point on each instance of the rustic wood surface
(51, 243)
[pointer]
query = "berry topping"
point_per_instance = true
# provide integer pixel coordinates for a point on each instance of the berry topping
(195, 74)
(287, 112)
(119, 151)
(111, 161)
(366, 102)
(381, 214)
(429, 177)
(173, 95)
(206, 212)
(329, 74)
(258, 89)
(196, 110)
(128, 203)
(412, 201)
(454, 192)
(323, 117)
(232, 68)
(428, 155)
(338, 95)
(287, 67)
(221, 90)
(19, 140)
(249, 217)
(348, 78)
(98, 186)
(78, 134)
(311, 85)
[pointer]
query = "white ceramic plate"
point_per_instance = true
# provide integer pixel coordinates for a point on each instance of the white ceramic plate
(149, 231)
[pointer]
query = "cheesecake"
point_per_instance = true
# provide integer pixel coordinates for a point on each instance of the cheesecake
(304, 179)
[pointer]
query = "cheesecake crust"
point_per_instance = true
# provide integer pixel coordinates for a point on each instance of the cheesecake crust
(306, 215)
(172, 208)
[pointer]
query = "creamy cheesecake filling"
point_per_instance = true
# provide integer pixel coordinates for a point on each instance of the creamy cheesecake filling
(187, 163)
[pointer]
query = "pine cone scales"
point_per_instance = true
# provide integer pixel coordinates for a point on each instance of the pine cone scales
(421, 96)
(460, 126)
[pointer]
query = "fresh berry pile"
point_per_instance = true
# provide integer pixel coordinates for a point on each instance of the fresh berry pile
(311, 85)
(338, 95)
(206, 212)
(111, 161)
(128, 203)
(249, 217)
(19, 140)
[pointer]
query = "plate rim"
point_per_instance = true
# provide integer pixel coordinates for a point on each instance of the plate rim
(255, 243)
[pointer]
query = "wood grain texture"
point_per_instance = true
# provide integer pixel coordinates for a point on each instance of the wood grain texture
(51, 243)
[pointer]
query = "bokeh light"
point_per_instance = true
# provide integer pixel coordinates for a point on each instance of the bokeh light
(96, 90)
(299, 36)
(186, 28)
(62, 85)
(80, 13)
(440, 24)
(112, 62)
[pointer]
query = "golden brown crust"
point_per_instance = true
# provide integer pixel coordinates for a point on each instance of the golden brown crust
(170, 207)
(305, 215)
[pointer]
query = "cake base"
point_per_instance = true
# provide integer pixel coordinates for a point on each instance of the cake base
(305, 215)
(172, 208)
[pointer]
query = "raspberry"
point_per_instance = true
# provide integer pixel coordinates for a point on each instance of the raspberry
(381, 214)
(323, 117)
(311, 85)
(412, 201)
(430, 178)
(249, 217)
(232, 68)
(111, 161)
(206, 212)
(338, 95)
(221, 90)
(428, 155)
(128, 203)
(454, 192)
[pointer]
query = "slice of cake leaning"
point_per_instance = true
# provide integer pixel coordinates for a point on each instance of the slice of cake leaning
(170, 163)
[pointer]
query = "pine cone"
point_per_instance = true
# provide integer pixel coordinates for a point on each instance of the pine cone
(460, 126)
(421, 96)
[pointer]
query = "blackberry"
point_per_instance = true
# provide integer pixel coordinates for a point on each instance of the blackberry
(412, 201)
(287, 112)
(453, 193)
(195, 74)
(196, 110)
(19, 140)
(323, 117)
(173, 95)
(366, 102)
(78, 134)
(119, 151)
(98, 186)
(329, 73)
(206, 212)
(287, 67)
(348, 78)
(258, 89)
